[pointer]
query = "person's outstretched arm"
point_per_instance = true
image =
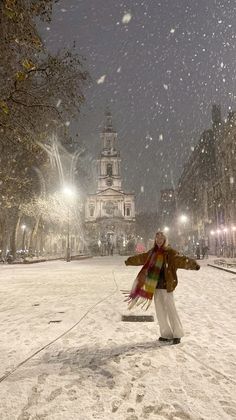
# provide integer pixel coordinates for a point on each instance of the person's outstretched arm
(138, 259)
(181, 261)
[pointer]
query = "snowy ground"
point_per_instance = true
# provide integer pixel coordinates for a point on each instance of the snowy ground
(225, 263)
(104, 368)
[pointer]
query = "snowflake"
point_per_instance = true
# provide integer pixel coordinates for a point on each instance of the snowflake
(101, 79)
(126, 18)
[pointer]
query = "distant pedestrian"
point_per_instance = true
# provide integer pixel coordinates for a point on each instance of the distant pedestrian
(158, 279)
(198, 252)
(205, 250)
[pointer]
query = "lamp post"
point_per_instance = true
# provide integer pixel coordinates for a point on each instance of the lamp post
(233, 239)
(214, 240)
(218, 243)
(69, 193)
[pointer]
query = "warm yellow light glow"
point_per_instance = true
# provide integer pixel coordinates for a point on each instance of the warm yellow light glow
(69, 191)
(183, 218)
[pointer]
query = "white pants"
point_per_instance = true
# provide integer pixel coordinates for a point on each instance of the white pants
(167, 316)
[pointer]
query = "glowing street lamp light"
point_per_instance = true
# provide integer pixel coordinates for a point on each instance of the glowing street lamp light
(183, 218)
(212, 232)
(166, 229)
(68, 192)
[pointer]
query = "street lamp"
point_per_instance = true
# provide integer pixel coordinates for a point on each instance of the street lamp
(166, 229)
(23, 227)
(69, 193)
(233, 239)
(183, 218)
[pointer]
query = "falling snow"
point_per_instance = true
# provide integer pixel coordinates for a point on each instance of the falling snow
(101, 79)
(126, 18)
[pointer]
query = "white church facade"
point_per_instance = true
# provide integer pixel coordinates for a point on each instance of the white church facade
(110, 212)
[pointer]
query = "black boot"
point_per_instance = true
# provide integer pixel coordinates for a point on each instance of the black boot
(176, 340)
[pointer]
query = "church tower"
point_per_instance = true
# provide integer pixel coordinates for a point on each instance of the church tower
(109, 174)
(110, 212)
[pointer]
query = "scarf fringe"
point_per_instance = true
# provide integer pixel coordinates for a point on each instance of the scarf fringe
(137, 301)
(132, 302)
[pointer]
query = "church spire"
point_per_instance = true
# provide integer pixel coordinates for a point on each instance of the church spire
(108, 126)
(109, 160)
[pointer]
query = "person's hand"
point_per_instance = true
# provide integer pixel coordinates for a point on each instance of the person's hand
(198, 267)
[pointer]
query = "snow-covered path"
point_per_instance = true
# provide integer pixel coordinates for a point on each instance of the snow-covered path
(104, 368)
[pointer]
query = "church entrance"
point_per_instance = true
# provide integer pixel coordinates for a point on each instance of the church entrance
(107, 243)
(110, 242)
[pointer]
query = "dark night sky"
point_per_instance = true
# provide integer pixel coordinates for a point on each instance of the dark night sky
(163, 70)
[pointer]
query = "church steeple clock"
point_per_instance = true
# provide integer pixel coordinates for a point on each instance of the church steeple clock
(109, 174)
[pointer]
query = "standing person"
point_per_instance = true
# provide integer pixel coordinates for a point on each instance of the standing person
(158, 278)
(198, 252)
(205, 250)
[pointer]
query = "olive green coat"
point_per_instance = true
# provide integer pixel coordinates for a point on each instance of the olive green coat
(172, 261)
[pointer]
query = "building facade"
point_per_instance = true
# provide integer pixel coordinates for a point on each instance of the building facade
(167, 207)
(222, 190)
(110, 212)
(193, 188)
(207, 190)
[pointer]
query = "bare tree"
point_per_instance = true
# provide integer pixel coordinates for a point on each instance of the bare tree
(39, 94)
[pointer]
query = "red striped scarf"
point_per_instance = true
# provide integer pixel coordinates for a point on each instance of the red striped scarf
(146, 281)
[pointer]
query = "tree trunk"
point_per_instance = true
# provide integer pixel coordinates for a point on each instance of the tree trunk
(33, 236)
(13, 237)
(3, 236)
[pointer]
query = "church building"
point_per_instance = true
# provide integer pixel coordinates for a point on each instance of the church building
(110, 212)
